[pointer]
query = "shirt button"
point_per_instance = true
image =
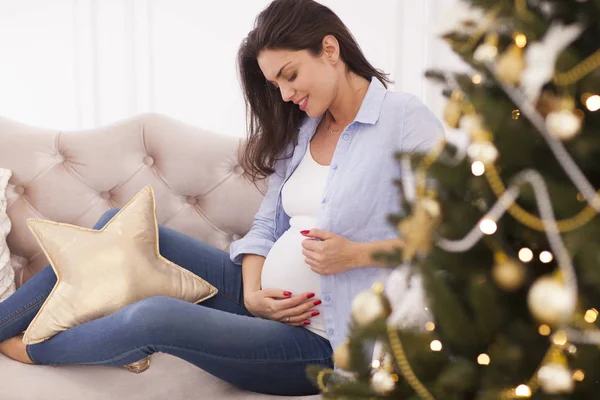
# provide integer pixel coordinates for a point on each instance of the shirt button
(330, 331)
(327, 298)
(323, 200)
(345, 136)
(334, 167)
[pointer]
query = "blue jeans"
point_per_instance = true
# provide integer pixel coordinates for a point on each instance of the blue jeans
(218, 335)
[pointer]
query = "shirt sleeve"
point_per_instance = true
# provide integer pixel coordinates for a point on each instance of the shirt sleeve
(261, 236)
(421, 129)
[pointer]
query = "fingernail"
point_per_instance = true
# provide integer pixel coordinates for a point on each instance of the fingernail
(310, 295)
(287, 294)
(315, 314)
(317, 302)
(304, 232)
(306, 322)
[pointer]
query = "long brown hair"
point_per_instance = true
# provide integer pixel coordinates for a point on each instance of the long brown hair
(287, 25)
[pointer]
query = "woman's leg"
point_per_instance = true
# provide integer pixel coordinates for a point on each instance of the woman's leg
(213, 265)
(17, 311)
(251, 353)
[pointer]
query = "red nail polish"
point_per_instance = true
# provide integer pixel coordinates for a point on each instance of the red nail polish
(315, 314)
(310, 295)
(287, 294)
(306, 322)
(304, 232)
(317, 302)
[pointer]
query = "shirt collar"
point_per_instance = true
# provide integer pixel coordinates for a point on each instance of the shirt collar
(368, 113)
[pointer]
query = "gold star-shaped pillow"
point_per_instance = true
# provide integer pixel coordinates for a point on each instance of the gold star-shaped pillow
(101, 271)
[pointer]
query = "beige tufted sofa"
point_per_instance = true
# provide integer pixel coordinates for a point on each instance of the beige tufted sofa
(74, 177)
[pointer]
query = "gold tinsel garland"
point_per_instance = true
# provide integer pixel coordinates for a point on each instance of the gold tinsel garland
(530, 220)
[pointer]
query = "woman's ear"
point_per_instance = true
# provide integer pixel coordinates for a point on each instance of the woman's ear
(331, 49)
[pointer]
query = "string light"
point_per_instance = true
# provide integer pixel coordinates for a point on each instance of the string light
(478, 168)
(483, 359)
(520, 40)
(488, 226)
(591, 315)
(476, 79)
(429, 326)
(525, 255)
(544, 330)
(523, 391)
(546, 257)
(559, 338)
(593, 103)
(578, 375)
(376, 364)
(436, 345)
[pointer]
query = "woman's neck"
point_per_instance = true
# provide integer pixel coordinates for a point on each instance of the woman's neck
(348, 100)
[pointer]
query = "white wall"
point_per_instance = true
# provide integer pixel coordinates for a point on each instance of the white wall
(81, 63)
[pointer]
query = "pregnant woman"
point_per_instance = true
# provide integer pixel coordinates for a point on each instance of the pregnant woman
(324, 128)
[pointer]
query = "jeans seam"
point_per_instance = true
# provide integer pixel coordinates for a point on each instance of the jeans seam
(37, 301)
(230, 298)
(245, 359)
(112, 359)
(28, 351)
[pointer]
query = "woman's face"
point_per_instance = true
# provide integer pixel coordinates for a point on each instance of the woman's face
(309, 82)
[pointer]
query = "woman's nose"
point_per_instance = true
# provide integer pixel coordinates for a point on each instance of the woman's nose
(286, 93)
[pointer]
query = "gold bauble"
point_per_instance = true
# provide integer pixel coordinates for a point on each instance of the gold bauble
(341, 356)
(508, 273)
(550, 301)
(383, 382)
(370, 305)
(510, 65)
(453, 110)
(417, 229)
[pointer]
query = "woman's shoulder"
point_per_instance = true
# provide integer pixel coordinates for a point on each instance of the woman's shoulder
(399, 102)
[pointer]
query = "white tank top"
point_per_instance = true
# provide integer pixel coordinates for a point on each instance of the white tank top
(284, 266)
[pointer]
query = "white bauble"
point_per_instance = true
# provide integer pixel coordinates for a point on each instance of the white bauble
(382, 382)
(483, 151)
(368, 305)
(555, 379)
(485, 53)
(563, 124)
(550, 301)
(470, 122)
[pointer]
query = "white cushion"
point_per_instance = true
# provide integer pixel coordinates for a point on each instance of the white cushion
(7, 274)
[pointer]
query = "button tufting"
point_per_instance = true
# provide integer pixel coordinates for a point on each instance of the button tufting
(238, 169)
(192, 200)
(105, 195)
(60, 158)
(148, 160)
(235, 236)
(20, 190)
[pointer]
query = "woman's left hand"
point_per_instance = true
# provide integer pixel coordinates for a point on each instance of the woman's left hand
(330, 255)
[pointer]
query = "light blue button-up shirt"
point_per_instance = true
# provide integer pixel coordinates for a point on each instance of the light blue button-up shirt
(359, 193)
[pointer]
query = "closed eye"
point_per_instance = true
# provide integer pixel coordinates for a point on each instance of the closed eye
(293, 77)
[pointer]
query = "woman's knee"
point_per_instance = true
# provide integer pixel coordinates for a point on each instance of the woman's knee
(150, 315)
(107, 216)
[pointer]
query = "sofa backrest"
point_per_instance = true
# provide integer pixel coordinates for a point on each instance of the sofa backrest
(75, 176)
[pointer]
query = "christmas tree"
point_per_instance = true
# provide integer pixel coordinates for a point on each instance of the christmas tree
(503, 233)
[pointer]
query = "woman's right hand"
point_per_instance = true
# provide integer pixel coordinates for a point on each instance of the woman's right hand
(277, 305)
